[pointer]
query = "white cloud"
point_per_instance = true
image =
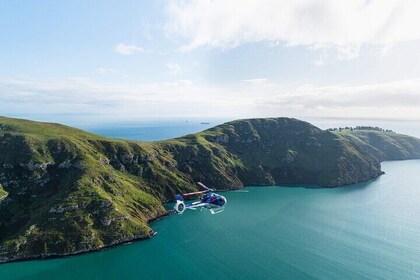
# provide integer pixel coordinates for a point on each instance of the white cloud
(346, 25)
(348, 52)
(127, 49)
(319, 61)
(106, 71)
(253, 98)
(174, 68)
(398, 99)
(256, 81)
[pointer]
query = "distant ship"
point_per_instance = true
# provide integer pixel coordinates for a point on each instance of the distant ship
(205, 123)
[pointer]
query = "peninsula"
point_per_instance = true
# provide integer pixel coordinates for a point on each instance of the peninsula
(65, 191)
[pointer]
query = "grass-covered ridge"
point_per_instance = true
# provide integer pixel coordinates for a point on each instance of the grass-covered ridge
(64, 190)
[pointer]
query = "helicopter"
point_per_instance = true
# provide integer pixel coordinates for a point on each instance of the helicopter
(209, 200)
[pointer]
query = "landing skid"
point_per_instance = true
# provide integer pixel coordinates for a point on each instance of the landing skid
(217, 210)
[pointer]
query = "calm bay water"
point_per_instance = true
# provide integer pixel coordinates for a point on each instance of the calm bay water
(364, 231)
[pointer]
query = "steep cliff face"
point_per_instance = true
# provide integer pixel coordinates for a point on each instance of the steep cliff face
(291, 151)
(64, 191)
(63, 196)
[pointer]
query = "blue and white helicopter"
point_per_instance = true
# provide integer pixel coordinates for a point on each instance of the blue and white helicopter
(209, 200)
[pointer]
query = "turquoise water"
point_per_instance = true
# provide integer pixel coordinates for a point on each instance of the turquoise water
(364, 231)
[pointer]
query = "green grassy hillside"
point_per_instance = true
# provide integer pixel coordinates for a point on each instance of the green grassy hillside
(384, 146)
(64, 191)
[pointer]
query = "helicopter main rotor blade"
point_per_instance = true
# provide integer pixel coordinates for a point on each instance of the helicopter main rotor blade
(194, 193)
(204, 186)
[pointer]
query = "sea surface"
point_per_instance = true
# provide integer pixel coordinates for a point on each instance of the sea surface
(364, 231)
(151, 130)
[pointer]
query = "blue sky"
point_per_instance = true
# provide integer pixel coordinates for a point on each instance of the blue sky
(132, 60)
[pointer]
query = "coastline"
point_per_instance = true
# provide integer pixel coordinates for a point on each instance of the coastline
(120, 242)
(152, 233)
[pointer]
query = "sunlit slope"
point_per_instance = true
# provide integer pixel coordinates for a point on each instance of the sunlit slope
(384, 146)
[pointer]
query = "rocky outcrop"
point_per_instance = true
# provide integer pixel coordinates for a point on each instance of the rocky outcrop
(64, 209)
(37, 166)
